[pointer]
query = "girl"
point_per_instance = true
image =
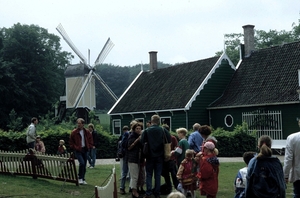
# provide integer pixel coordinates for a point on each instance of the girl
(187, 173)
(39, 145)
(265, 174)
(208, 171)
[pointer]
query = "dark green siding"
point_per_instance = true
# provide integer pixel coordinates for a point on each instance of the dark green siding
(211, 91)
(290, 113)
(198, 111)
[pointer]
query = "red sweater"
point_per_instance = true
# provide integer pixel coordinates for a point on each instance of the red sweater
(75, 139)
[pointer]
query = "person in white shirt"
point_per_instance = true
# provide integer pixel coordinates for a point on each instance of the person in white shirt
(291, 168)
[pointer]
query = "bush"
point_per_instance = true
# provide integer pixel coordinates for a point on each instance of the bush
(235, 143)
(230, 144)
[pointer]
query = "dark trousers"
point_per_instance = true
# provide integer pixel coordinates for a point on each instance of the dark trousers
(153, 164)
(170, 167)
(296, 185)
(82, 159)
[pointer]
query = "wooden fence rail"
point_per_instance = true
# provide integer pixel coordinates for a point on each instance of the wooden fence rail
(26, 163)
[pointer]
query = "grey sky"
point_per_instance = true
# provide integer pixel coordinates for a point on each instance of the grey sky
(180, 30)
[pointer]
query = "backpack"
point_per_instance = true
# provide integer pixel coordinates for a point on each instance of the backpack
(265, 179)
(123, 145)
(119, 149)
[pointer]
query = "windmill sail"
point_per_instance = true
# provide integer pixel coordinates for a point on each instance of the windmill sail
(64, 34)
(104, 52)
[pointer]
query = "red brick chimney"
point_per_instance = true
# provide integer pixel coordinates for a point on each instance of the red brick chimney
(248, 39)
(153, 61)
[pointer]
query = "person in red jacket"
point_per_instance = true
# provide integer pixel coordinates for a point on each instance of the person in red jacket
(81, 141)
(208, 171)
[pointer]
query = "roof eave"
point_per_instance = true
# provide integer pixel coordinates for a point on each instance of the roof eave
(251, 105)
(144, 112)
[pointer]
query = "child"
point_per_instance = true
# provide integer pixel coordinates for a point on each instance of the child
(187, 173)
(39, 145)
(61, 148)
(208, 171)
(183, 145)
(240, 180)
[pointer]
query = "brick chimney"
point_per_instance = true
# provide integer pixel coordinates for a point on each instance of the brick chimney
(248, 39)
(153, 61)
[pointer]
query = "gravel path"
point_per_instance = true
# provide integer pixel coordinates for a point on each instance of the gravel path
(221, 159)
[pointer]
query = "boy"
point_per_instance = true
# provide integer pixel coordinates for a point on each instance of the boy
(240, 180)
(61, 148)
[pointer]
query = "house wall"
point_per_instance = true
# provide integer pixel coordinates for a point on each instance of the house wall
(290, 115)
(198, 111)
(178, 118)
(211, 91)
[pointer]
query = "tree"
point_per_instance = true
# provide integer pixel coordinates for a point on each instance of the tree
(262, 40)
(31, 72)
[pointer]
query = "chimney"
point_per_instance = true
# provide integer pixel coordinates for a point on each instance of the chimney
(248, 39)
(153, 61)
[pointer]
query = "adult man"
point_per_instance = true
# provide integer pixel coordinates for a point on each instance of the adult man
(81, 141)
(93, 151)
(195, 139)
(31, 133)
(154, 135)
(291, 168)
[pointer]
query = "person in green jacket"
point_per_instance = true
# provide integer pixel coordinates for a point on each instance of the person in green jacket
(183, 145)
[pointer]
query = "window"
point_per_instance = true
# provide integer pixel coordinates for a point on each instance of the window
(264, 122)
(116, 127)
(166, 120)
(228, 120)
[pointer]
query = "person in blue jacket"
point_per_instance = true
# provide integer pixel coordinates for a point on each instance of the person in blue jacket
(265, 173)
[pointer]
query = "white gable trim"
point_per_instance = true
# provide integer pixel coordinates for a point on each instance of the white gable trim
(212, 71)
(124, 93)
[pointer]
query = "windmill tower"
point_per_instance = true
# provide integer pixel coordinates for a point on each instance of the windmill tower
(80, 81)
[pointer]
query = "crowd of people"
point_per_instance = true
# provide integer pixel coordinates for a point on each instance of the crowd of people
(193, 165)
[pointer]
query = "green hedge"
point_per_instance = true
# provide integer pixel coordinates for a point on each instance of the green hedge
(230, 143)
(235, 143)
(16, 141)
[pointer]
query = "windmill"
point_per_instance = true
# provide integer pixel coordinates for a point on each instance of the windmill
(80, 81)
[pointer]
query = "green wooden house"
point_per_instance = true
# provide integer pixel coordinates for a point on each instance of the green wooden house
(179, 94)
(264, 91)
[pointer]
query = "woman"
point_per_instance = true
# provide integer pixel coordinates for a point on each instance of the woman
(265, 174)
(134, 148)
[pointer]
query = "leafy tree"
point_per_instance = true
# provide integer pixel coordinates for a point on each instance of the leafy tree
(31, 71)
(262, 40)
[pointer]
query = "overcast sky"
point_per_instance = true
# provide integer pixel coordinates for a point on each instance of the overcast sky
(180, 30)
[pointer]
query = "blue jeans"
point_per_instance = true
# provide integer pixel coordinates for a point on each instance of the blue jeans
(153, 164)
(82, 159)
(296, 185)
(92, 157)
(124, 172)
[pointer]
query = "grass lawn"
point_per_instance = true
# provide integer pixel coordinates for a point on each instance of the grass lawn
(21, 186)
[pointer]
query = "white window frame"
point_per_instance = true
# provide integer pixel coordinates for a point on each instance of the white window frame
(166, 117)
(120, 127)
(225, 121)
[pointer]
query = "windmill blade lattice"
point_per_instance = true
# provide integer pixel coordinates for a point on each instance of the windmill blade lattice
(65, 36)
(104, 52)
(105, 86)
